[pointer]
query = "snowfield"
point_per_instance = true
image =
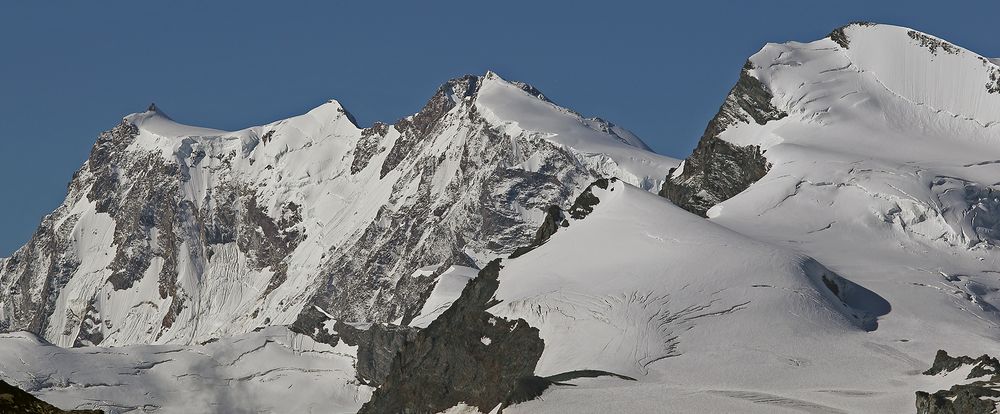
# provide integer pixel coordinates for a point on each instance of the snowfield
(272, 370)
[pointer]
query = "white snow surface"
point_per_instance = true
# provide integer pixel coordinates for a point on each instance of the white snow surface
(273, 370)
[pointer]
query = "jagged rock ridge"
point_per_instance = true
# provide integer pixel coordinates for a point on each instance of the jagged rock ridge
(975, 393)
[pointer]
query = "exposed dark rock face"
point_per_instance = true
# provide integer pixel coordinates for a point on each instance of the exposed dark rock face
(718, 170)
(978, 396)
(933, 44)
(28, 301)
(465, 356)
(90, 327)
(14, 400)
(993, 86)
(554, 218)
(152, 220)
(377, 343)
(368, 146)
(840, 37)
(269, 242)
(377, 347)
(417, 128)
(584, 204)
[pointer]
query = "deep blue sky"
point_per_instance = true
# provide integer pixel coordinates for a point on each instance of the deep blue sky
(69, 71)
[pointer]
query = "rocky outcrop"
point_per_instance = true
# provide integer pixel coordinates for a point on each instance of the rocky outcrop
(14, 400)
(932, 43)
(465, 356)
(993, 86)
(377, 347)
(975, 394)
(584, 204)
(368, 146)
(554, 218)
(377, 343)
(840, 37)
(717, 169)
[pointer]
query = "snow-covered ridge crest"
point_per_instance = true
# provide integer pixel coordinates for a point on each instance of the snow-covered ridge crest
(605, 146)
(517, 107)
(908, 76)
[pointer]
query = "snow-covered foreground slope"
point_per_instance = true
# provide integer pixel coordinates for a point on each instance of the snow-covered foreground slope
(178, 234)
(709, 320)
(272, 370)
(625, 287)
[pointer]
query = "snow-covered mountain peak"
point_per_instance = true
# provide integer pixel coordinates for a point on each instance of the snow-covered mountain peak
(157, 122)
(907, 77)
(875, 151)
(872, 105)
(521, 109)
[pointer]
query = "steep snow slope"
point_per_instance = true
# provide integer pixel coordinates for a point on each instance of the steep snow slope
(177, 234)
(256, 372)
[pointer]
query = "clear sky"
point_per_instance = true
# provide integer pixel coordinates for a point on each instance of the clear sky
(659, 68)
